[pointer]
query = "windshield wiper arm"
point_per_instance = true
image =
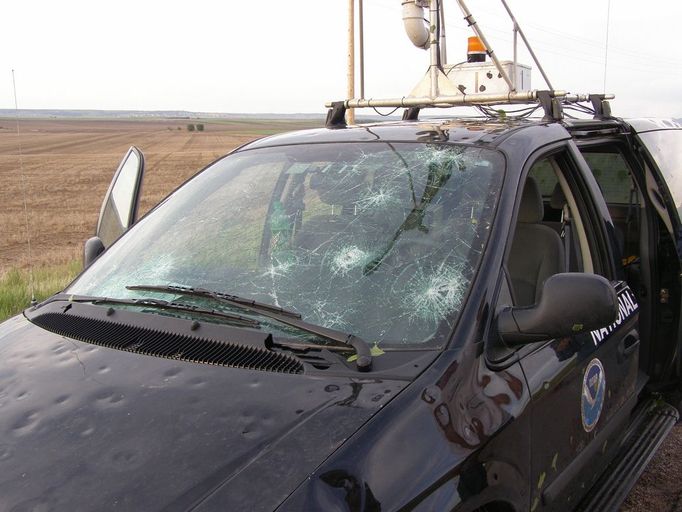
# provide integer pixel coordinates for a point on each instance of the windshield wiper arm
(173, 306)
(291, 318)
(223, 297)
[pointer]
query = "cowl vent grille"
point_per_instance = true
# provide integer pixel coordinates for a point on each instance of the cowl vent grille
(171, 345)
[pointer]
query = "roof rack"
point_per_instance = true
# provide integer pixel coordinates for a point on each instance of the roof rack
(437, 90)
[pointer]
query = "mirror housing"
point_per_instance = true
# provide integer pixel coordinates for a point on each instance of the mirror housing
(91, 250)
(570, 304)
(121, 202)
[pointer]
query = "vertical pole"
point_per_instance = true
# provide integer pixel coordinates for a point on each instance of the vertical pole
(443, 48)
(362, 48)
(606, 44)
(350, 113)
(469, 18)
(433, 41)
(516, 55)
(525, 41)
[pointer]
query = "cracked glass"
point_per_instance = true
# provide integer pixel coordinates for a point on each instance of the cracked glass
(378, 239)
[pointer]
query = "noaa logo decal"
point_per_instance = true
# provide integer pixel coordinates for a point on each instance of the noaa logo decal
(594, 389)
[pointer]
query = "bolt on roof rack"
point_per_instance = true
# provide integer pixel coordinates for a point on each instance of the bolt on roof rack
(438, 90)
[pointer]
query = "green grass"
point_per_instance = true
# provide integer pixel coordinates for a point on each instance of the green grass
(15, 294)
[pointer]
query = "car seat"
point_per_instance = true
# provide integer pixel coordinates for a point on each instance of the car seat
(537, 251)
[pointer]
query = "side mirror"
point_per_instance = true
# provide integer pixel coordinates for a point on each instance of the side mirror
(91, 251)
(570, 304)
(120, 205)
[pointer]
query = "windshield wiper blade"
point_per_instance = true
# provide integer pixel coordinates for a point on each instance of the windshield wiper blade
(167, 305)
(291, 318)
(224, 297)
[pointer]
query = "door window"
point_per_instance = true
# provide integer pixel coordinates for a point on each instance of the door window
(552, 229)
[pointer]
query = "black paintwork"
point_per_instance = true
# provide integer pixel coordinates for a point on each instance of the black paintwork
(84, 427)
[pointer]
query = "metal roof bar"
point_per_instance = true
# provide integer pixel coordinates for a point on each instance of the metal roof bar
(448, 101)
(466, 99)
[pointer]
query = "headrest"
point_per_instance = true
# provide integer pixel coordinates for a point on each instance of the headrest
(558, 199)
(338, 184)
(531, 210)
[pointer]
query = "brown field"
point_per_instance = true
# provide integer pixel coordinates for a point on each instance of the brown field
(67, 167)
(68, 164)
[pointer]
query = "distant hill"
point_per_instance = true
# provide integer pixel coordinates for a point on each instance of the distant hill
(145, 114)
(169, 114)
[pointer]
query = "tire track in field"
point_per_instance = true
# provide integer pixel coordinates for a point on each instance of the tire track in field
(86, 140)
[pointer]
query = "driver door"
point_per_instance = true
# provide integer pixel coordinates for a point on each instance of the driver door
(582, 386)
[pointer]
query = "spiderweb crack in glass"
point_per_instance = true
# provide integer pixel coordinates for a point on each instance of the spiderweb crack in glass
(324, 314)
(348, 258)
(376, 239)
(435, 292)
(378, 199)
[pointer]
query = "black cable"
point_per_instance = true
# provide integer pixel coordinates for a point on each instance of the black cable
(385, 115)
(453, 67)
(578, 108)
(492, 113)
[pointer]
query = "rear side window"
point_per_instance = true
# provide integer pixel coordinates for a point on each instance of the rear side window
(612, 173)
(665, 147)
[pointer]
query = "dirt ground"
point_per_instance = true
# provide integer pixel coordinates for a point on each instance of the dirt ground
(659, 489)
(67, 166)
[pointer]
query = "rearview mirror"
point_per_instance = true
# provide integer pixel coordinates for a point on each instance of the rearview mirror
(120, 205)
(570, 304)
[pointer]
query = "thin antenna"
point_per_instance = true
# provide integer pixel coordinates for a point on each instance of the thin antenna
(606, 45)
(361, 29)
(31, 284)
(350, 74)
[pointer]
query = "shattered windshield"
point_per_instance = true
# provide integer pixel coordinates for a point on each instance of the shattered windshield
(376, 239)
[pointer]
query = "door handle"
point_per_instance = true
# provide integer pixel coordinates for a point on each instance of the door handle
(628, 344)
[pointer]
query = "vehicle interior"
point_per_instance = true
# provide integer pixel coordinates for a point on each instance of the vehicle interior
(563, 240)
(648, 257)
(550, 236)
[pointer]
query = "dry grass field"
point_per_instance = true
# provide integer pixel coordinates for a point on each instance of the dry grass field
(67, 167)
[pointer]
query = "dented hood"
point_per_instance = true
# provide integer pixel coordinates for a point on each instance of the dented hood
(89, 428)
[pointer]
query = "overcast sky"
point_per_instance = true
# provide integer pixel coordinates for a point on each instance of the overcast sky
(279, 56)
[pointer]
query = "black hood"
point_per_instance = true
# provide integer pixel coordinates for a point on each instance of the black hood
(84, 427)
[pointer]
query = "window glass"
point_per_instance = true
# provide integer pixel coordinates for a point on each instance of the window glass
(665, 147)
(116, 216)
(379, 240)
(613, 175)
(545, 177)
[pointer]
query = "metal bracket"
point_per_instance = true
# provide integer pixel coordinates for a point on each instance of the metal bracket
(602, 108)
(336, 116)
(551, 105)
(411, 114)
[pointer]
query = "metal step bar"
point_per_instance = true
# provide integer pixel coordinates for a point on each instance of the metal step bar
(649, 428)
